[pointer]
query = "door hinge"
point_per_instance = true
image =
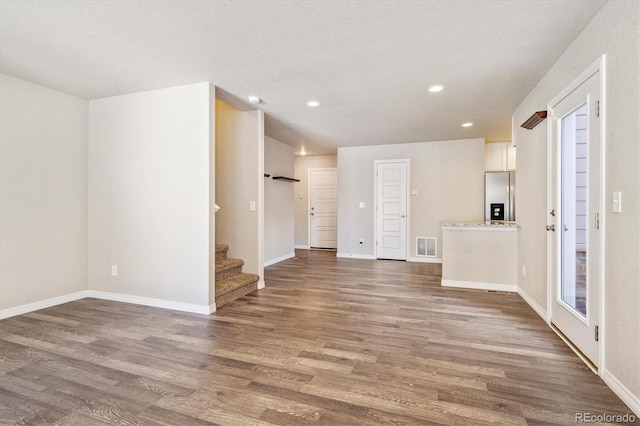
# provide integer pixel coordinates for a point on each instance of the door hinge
(597, 108)
(597, 334)
(597, 220)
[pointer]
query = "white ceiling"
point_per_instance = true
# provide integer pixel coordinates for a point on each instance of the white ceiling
(368, 62)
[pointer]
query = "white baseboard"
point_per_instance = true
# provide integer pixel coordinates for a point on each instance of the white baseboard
(303, 247)
(279, 259)
(479, 286)
(356, 256)
(42, 304)
(623, 393)
(533, 304)
(148, 301)
(425, 259)
(261, 284)
(116, 297)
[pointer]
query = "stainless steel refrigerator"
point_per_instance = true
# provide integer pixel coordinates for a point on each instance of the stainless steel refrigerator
(499, 196)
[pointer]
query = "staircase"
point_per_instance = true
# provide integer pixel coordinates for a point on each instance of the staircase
(231, 282)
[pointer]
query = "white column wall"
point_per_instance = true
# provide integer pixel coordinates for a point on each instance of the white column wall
(149, 196)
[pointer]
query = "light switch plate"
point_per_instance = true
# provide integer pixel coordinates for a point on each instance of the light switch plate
(252, 206)
(617, 202)
(362, 204)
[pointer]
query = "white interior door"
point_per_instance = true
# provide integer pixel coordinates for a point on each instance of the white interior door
(391, 217)
(575, 236)
(323, 208)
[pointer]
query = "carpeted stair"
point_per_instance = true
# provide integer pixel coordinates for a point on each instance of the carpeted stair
(231, 282)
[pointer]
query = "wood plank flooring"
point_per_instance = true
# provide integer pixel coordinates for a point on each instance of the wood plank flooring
(328, 342)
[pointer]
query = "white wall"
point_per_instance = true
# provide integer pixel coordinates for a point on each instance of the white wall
(149, 195)
(212, 197)
(449, 178)
(43, 194)
(302, 165)
(614, 32)
(240, 180)
(278, 202)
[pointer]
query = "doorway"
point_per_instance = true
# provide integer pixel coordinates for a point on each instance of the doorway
(391, 209)
(323, 208)
(575, 207)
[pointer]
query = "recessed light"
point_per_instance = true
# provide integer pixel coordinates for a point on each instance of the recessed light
(436, 88)
(313, 104)
(302, 151)
(254, 99)
(467, 124)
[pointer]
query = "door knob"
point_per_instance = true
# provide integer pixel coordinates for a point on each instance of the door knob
(551, 228)
(552, 212)
(401, 216)
(312, 214)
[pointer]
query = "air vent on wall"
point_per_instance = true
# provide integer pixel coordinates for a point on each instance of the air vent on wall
(426, 246)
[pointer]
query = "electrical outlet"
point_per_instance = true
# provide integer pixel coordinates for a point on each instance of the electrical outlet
(524, 271)
(114, 270)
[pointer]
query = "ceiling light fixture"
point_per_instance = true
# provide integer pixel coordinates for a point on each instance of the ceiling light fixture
(436, 88)
(467, 124)
(313, 104)
(302, 151)
(254, 100)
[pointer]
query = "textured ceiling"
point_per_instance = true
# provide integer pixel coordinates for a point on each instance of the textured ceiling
(369, 63)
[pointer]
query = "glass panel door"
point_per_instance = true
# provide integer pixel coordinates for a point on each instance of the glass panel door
(573, 229)
(574, 205)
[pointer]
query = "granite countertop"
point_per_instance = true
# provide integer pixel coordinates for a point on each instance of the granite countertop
(475, 225)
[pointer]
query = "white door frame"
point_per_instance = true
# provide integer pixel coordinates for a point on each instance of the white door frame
(598, 66)
(317, 169)
(375, 204)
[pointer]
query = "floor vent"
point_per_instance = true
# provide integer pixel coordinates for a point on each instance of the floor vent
(426, 246)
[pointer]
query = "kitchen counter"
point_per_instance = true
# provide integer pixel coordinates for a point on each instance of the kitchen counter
(480, 255)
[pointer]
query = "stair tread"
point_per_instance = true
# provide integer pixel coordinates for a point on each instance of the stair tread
(235, 282)
(226, 264)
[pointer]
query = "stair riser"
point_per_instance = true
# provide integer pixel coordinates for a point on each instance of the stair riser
(235, 294)
(228, 273)
(221, 255)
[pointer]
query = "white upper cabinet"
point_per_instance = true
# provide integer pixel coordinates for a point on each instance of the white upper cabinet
(499, 156)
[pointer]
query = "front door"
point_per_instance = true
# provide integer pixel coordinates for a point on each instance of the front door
(391, 222)
(323, 208)
(574, 216)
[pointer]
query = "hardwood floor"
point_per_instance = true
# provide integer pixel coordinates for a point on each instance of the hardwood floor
(329, 341)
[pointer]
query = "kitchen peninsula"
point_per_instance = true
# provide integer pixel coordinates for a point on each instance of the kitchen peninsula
(480, 255)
